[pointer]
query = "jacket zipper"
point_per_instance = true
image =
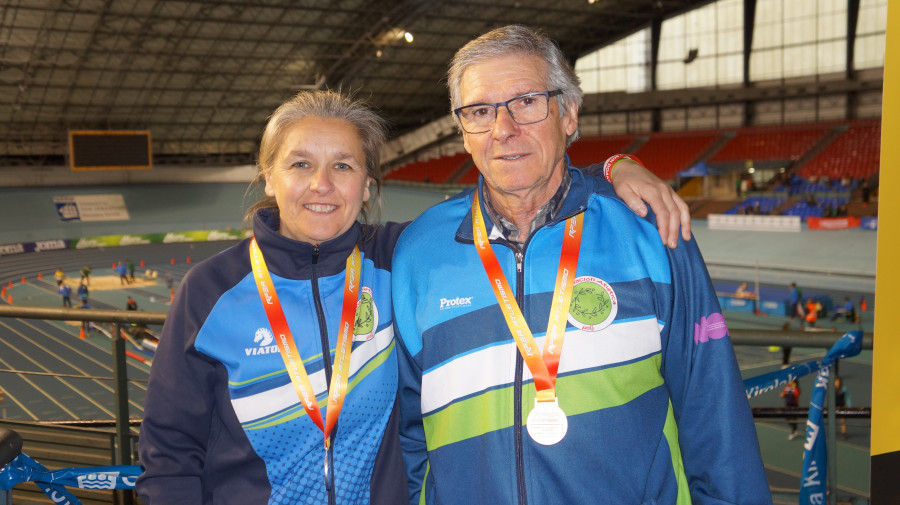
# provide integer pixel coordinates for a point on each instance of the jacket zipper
(520, 362)
(326, 358)
(517, 389)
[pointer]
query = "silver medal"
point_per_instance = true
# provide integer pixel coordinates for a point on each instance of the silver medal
(547, 423)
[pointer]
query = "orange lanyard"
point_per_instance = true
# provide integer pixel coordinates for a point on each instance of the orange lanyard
(543, 367)
(288, 349)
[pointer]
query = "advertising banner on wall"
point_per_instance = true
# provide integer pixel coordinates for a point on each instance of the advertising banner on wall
(159, 238)
(869, 223)
(27, 247)
(753, 223)
(91, 208)
(832, 223)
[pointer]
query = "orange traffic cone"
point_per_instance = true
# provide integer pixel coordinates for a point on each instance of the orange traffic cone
(40, 276)
(172, 261)
(3, 292)
(114, 266)
(10, 285)
(188, 259)
(82, 335)
(142, 263)
(23, 279)
(9, 300)
(171, 295)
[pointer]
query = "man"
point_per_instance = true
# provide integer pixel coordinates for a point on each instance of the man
(86, 274)
(846, 310)
(794, 300)
(85, 325)
(60, 276)
(812, 312)
(635, 398)
(66, 292)
(122, 270)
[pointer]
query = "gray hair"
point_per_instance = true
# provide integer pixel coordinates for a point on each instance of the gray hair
(518, 39)
(325, 104)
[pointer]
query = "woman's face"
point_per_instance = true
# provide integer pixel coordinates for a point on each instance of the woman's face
(319, 179)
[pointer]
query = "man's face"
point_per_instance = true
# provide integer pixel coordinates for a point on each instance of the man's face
(516, 160)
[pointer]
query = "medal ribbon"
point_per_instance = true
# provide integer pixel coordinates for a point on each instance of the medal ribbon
(543, 367)
(288, 349)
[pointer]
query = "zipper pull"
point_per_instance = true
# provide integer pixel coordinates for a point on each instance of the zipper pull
(520, 258)
(315, 256)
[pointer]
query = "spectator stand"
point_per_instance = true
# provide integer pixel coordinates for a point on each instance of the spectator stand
(761, 205)
(817, 207)
(438, 170)
(854, 154)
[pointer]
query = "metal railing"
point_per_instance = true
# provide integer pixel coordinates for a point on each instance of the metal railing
(120, 377)
(755, 338)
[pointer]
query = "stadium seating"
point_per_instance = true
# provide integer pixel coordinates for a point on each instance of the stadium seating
(854, 153)
(766, 204)
(805, 209)
(763, 143)
(436, 170)
(589, 150)
(670, 153)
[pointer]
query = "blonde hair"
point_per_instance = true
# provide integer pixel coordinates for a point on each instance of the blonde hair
(325, 104)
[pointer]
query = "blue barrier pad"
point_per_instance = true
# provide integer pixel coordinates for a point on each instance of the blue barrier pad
(737, 304)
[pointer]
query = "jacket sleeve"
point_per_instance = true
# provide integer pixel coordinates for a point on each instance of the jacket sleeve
(409, 345)
(412, 431)
(178, 411)
(716, 433)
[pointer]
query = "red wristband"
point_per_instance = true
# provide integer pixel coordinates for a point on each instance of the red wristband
(608, 164)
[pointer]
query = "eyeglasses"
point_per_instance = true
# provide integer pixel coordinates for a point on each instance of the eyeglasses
(523, 109)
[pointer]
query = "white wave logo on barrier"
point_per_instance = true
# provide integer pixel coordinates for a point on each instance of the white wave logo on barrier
(98, 480)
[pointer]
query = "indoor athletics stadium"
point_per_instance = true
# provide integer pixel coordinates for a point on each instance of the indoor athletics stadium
(131, 149)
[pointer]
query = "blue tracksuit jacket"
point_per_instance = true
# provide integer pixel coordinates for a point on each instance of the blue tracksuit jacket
(656, 408)
(223, 424)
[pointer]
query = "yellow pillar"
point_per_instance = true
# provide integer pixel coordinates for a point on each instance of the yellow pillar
(885, 489)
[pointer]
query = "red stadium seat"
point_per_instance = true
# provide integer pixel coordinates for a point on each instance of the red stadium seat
(765, 143)
(666, 154)
(436, 170)
(855, 153)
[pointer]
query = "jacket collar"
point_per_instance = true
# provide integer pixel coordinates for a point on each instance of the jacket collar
(575, 202)
(293, 259)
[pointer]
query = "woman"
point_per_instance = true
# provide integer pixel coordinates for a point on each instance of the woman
(841, 399)
(223, 422)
